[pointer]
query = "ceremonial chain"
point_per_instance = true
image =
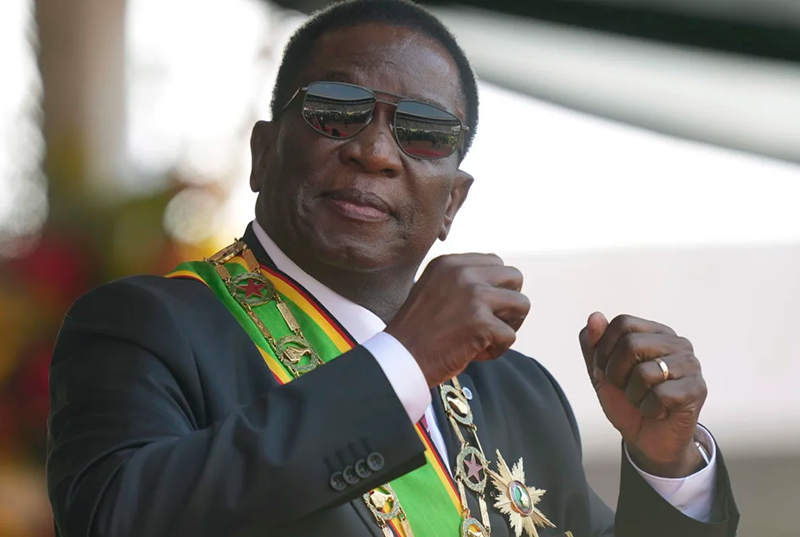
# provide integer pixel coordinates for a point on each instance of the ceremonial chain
(471, 462)
(514, 499)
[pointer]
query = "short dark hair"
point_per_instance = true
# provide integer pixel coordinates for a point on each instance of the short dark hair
(354, 12)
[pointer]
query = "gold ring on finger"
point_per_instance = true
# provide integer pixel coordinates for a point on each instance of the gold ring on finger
(664, 368)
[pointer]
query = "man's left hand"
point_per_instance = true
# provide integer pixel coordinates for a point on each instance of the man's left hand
(656, 417)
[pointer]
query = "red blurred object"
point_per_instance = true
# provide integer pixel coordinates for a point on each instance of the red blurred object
(53, 275)
(30, 390)
(8, 419)
(58, 270)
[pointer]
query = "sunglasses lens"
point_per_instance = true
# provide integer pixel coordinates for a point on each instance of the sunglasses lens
(424, 131)
(337, 110)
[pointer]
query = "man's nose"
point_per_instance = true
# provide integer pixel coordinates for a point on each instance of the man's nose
(374, 149)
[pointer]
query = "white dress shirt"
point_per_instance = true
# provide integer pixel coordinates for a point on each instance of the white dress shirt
(692, 495)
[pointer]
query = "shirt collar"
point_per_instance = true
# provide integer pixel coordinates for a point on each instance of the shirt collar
(358, 320)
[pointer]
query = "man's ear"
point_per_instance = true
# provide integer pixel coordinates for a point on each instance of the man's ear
(261, 141)
(458, 195)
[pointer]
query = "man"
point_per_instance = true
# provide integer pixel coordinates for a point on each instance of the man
(300, 383)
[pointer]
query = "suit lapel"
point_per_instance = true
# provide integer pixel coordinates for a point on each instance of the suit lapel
(450, 441)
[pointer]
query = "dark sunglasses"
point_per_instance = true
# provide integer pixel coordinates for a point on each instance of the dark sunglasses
(341, 111)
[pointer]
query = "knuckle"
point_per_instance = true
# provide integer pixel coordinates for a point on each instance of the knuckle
(639, 374)
(651, 405)
(463, 276)
(438, 262)
(693, 365)
(685, 344)
(661, 394)
(483, 341)
(506, 336)
(524, 304)
(482, 333)
(628, 344)
(475, 315)
(702, 389)
(625, 322)
(449, 261)
(479, 321)
(480, 298)
(479, 294)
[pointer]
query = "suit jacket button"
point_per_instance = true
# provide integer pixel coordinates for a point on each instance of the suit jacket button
(375, 461)
(337, 482)
(350, 476)
(362, 470)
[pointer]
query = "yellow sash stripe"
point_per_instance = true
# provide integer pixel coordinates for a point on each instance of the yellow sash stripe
(186, 274)
(275, 366)
(441, 470)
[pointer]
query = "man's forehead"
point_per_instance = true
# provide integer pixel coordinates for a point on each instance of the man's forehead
(361, 78)
(389, 58)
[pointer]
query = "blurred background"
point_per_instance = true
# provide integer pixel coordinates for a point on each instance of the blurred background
(633, 156)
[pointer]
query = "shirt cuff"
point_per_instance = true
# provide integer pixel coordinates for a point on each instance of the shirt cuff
(692, 495)
(403, 372)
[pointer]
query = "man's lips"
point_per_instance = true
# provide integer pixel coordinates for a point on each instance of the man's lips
(358, 204)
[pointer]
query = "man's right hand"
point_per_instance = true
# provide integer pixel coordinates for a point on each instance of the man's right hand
(464, 307)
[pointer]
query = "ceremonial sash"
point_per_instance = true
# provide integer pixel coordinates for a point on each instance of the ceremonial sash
(427, 494)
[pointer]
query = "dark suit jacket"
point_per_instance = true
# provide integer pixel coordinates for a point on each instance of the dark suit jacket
(166, 422)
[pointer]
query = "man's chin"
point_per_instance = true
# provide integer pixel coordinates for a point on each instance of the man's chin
(353, 253)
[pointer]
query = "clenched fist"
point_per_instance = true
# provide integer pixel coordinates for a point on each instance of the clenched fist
(655, 407)
(464, 307)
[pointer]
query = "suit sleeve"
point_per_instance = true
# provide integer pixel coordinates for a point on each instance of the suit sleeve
(643, 511)
(129, 453)
(601, 516)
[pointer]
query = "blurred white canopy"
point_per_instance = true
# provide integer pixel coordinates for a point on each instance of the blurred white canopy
(743, 103)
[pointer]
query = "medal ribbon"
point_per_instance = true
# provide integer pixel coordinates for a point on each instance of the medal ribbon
(427, 495)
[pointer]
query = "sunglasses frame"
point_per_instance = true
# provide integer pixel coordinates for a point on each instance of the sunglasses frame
(463, 128)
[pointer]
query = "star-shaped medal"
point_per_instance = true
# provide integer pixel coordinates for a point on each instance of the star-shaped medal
(469, 464)
(253, 288)
(517, 500)
(474, 467)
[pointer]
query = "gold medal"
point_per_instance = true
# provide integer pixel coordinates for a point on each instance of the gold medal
(471, 469)
(385, 506)
(517, 500)
(456, 404)
(292, 349)
(472, 528)
(251, 288)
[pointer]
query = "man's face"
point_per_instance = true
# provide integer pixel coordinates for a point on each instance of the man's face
(361, 203)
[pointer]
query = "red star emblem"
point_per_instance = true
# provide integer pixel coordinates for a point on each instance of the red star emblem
(253, 288)
(474, 467)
